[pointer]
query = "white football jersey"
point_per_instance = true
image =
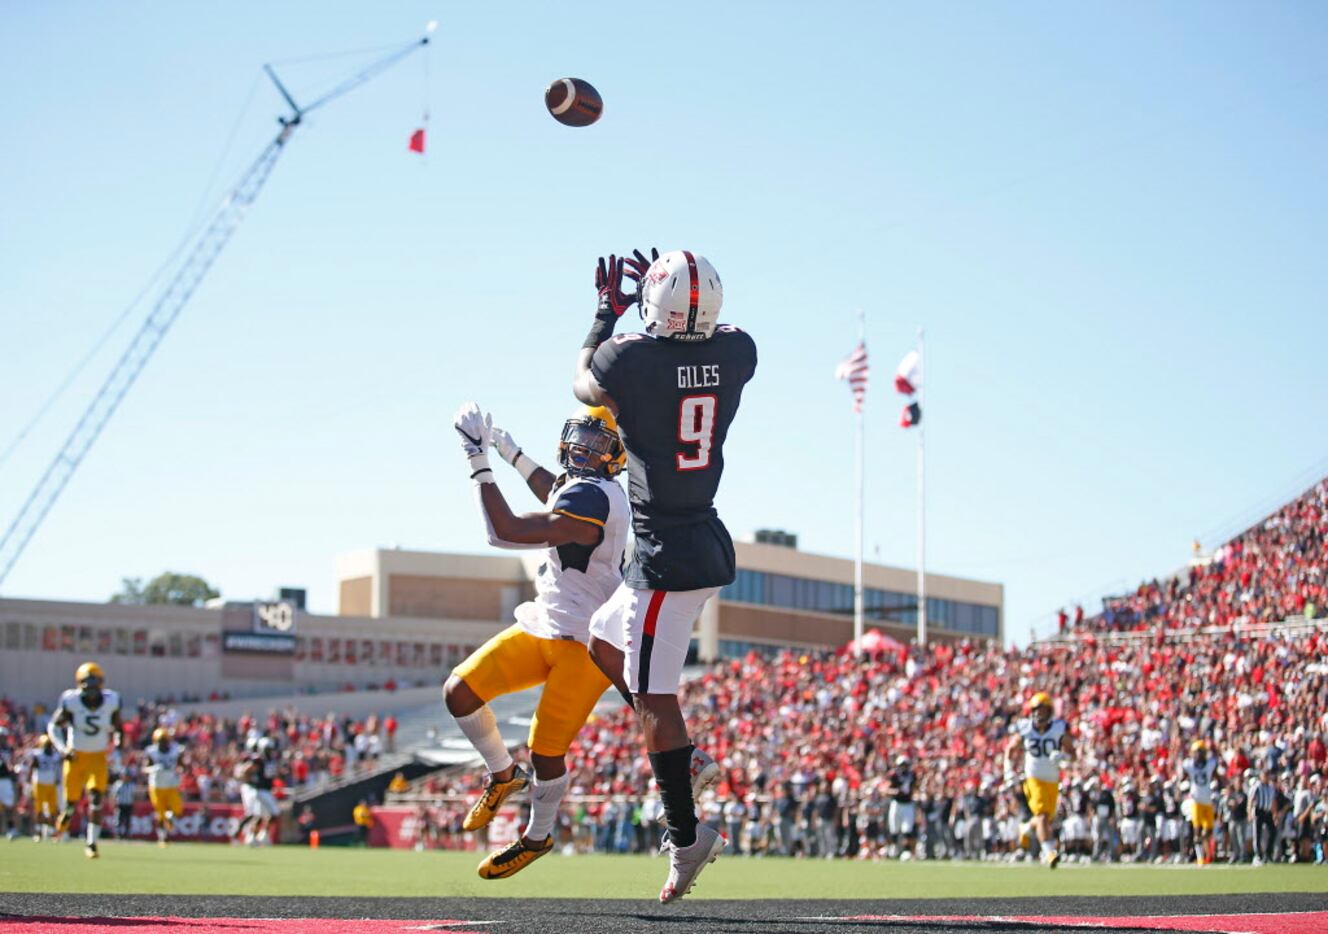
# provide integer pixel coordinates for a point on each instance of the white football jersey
(163, 767)
(1201, 779)
(91, 729)
(45, 767)
(573, 581)
(1041, 749)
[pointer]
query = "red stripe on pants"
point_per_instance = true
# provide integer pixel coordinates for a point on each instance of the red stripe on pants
(648, 641)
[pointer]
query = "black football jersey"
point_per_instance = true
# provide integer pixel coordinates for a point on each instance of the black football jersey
(676, 401)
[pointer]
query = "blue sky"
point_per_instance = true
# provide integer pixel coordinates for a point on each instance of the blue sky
(1110, 219)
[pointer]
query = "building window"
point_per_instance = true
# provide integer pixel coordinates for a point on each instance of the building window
(732, 648)
(30, 641)
(800, 593)
(435, 655)
(334, 651)
(140, 642)
(13, 636)
(316, 649)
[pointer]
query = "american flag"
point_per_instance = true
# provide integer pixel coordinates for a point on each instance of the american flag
(854, 369)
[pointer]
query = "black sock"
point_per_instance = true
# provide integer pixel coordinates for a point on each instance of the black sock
(673, 774)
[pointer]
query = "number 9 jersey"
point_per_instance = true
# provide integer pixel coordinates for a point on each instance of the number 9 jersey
(90, 730)
(1041, 749)
(676, 400)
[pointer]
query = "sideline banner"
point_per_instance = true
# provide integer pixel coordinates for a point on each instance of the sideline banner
(204, 823)
(400, 827)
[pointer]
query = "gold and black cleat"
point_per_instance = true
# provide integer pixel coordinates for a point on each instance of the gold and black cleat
(495, 793)
(90, 851)
(512, 860)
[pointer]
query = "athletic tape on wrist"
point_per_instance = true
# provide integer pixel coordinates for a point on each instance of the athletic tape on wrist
(524, 465)
(479, 465)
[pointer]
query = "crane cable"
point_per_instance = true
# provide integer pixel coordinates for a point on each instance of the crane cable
(191, 231)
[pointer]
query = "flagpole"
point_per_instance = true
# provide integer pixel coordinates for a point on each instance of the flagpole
(922, 499)
(858, 505)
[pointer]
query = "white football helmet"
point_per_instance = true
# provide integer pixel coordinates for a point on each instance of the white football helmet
(680, 297)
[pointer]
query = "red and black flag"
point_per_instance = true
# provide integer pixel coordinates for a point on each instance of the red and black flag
(908, 380)
(912, 415)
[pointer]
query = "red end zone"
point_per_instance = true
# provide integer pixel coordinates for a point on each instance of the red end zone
(1296, 922)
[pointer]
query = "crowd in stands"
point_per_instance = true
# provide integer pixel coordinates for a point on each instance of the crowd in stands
(1269, 572)
(806, 743)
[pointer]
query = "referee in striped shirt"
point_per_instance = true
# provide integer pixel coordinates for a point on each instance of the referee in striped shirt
(1263, 795)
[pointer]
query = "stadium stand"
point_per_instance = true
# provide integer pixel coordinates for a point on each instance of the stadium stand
(1233, 652)
(1271, 571)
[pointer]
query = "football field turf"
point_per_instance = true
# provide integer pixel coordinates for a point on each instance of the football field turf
(210, 869)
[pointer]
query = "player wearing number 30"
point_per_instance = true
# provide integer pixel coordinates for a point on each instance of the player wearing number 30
(675, 390)
(1045, 742)
(85, 724)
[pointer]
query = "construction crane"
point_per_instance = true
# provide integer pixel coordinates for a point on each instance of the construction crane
(206, 247)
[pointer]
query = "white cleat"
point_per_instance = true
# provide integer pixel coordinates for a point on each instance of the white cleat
(686, 862)
(705, 772)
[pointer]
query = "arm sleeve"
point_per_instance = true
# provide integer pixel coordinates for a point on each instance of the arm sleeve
(494, 540)
(584, 501)
(605, 365)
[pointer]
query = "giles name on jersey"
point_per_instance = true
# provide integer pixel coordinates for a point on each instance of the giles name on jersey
(698, 377)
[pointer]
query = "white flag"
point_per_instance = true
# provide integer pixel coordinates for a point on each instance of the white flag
(908, 378)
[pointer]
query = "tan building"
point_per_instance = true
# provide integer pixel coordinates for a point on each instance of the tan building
(409, 616)
(782, 597)
(254, 649)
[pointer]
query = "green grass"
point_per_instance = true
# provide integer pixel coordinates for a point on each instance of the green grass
(211, 869)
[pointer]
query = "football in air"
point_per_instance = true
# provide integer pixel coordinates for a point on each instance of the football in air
(573, 102)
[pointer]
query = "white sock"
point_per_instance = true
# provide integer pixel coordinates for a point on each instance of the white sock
(481, 728)
(161, 832)
(94, 831)
(544, 800)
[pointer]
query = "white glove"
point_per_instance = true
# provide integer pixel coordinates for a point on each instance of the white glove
(503, 443)
(511, 452)
(474, 428)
